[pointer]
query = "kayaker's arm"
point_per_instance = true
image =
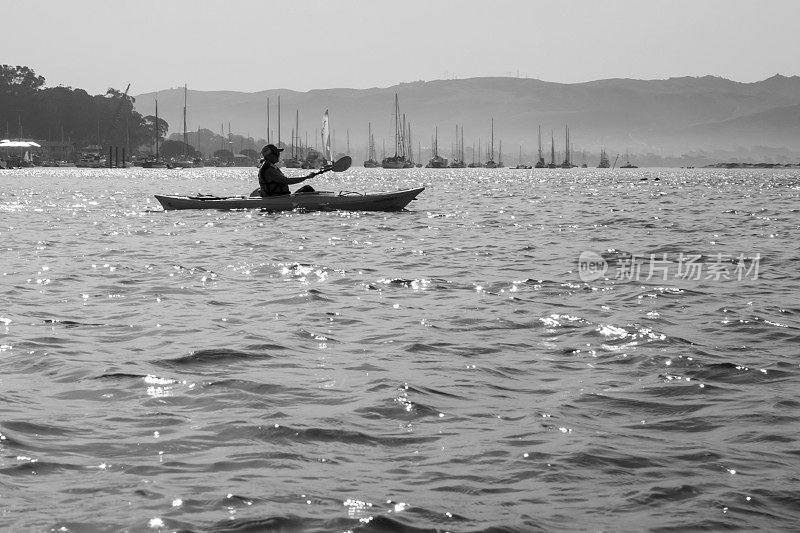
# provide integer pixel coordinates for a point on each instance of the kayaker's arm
(276, 176)
(291, 181)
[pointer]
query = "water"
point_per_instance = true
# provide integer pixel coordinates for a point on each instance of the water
(447, 368)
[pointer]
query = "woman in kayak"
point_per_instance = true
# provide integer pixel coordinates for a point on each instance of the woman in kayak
(271, 180)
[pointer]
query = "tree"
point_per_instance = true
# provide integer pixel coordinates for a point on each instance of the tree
(161, 130)
(252, 154)
(21, 79)
(171, 148)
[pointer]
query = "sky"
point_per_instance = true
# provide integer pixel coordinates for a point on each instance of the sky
(254, 45)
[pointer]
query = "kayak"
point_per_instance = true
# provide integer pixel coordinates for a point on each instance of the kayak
(312, 201)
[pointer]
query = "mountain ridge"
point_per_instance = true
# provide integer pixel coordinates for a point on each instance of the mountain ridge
(666, 117)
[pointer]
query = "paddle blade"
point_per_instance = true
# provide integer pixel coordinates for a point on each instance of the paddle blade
(342, 164)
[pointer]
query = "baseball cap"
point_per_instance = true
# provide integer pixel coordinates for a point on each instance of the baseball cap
(271, 149)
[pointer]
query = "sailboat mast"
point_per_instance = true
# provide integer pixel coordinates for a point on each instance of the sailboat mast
(397, 133)
(492, 150)
(296, 131)
(157, 129)
(458, 146)
(403, 138)
(185, 135)
(408, 147)
(541, 157)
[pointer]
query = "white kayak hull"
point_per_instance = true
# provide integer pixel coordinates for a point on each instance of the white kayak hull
(313, 201)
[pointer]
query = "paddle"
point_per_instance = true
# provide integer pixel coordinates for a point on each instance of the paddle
(340, 165)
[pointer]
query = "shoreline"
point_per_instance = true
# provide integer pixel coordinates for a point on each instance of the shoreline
(754, 165)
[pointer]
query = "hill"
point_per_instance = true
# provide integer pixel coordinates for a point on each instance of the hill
(705, 117)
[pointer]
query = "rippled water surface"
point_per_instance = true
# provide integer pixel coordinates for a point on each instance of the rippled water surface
(451, 367)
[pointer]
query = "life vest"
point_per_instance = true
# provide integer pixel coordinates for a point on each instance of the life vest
(271, 188)
(275, 189)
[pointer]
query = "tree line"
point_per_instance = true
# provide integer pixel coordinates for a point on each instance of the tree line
(29, 110)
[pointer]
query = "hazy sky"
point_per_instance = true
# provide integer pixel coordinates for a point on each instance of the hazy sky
(251, 45)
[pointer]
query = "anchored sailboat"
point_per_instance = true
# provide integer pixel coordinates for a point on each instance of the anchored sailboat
(157, 162)
(520, 165)
(604, 162)
(398, 160)
(371, 162)
(490, 163)
(436, 161)
(567, 162)
(552, 151)
(540, 162)
(294, 160)
(628, 163)
(185, 161)
(458, 156)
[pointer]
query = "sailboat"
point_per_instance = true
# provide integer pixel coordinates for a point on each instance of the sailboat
(479, 163)
(371, 162)
(490, 163)
(398, 160)
(628, 162)
(327, 151)
(519, 161)
(294, 160)
(157, 162)
(500, 163)
(552, 163)
(604, 162)
(458, 156)
(567, 162)
(436, 161)
(473, 164)
(540, 162)
(407, 142)
(184, 162)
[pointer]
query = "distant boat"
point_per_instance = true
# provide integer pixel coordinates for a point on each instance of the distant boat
(325, 133)
(91, 157)
(409, 149)
(458, 156)
(552, 163)
(519, 161)
(294, 161)
(476, 164)
(155, 162)
(628, 163)
(185, 161)
(540, 162)
(436, 161)
(490, 162)
(567, 162)
(371, 161)
(604, 162)
(398, 160)
(500, 163)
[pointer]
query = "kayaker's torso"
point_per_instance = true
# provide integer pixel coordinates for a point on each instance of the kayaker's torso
(272, 181)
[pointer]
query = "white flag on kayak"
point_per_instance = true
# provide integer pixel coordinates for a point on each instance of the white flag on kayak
(326, 137)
